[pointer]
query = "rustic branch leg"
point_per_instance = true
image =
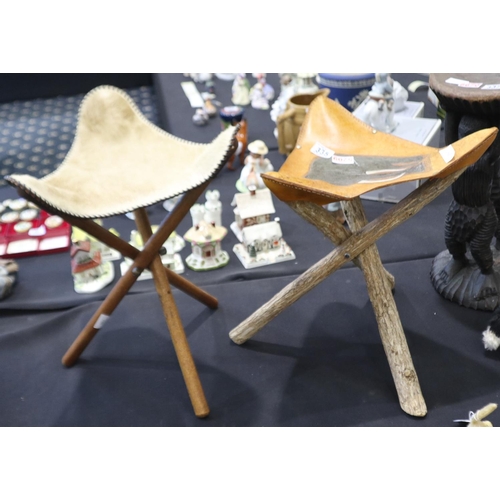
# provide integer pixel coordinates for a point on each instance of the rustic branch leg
(323, 220)
(345, 252)
(389, 323)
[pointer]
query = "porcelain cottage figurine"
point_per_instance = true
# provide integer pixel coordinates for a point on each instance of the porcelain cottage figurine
(255, 165)
(261, 239)
(90, 272)
(205, 238)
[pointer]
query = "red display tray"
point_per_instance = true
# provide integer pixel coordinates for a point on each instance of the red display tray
(40, 239)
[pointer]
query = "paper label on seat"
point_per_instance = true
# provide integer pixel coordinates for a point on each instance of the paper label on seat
(448, 153)
(343, 160)
(100, 321)
(319, 150)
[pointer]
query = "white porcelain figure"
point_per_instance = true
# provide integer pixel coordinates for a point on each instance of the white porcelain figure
(255, 165)
(213, 207)
(379, 110)
(241, 90)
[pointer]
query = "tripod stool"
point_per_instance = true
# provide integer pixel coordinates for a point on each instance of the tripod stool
(120, 162)
(337, 158)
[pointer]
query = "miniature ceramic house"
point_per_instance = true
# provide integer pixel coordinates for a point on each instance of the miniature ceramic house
(205, 238)
(254, 207)
(262, 245)
(261, 239)
(170, 259)
(90, 272)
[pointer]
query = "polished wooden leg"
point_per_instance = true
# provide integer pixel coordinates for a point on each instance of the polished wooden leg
(142, 260)
(127, 250)
(179, 340)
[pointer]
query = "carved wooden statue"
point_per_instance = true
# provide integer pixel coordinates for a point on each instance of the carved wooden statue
(465, 273)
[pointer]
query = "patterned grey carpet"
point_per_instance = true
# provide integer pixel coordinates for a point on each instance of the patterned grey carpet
(36, 135)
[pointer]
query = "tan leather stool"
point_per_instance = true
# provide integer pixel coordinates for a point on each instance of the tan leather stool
(120, 162)
(338, 158)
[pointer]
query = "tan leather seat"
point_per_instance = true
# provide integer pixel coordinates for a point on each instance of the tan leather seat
(338, 157)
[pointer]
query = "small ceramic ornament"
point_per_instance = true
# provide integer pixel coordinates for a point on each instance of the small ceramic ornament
(8, 277)
(261, 239)
(213, 207)
(200, 117)
(209, 108)
(241, 90)
(90, 272)
(379, 109)
(288, 89)
(477, 419)
(258, 96)
(255, 165)
(170, 258)
(205, 238)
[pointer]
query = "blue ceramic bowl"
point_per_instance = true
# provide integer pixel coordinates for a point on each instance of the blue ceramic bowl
(230, 115)
(348, 89)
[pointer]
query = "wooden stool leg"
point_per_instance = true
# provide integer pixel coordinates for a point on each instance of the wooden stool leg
(389, 322)
(323, 220)
(100, 317)
(174, 323)
(347, 251)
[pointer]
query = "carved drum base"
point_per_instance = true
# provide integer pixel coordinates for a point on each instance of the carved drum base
(464, 284)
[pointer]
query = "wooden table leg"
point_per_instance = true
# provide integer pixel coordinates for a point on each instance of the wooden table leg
(177, 333)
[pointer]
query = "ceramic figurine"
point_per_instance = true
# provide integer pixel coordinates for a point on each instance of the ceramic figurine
(304, 83)
(200, 117)
(241, 90)
(8, 277)
(213, 207)
(261, 93)
(261, 239)
(169, 204)
(288, 89)
(379, 110)
(77, 234)
(205, 238)
(233, 115)
(209, 108)
(170, 257)
(255, 165)
(90, 272)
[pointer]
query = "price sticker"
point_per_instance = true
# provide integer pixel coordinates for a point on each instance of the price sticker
(319, 150)
(343, 160)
